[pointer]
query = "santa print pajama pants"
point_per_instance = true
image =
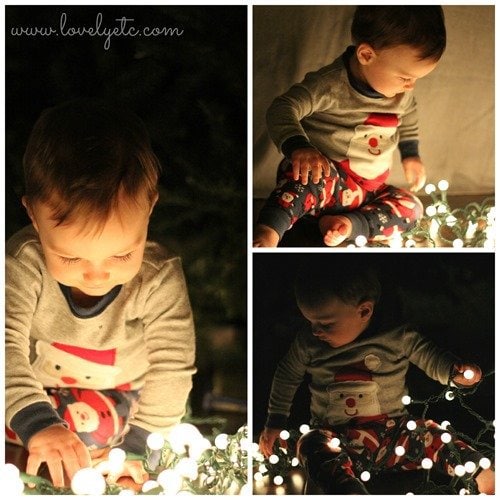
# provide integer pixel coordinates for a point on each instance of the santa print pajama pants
(377, 215)
(99, 418)
(372, 444)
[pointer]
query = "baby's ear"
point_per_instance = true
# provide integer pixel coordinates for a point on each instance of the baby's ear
(366, 309)
(365, 53)
(153, 202)
(29, 209)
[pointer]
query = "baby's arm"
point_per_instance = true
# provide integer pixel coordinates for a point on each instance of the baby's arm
(61, 449)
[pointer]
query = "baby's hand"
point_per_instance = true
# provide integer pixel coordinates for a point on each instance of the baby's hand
(124, 474)
(305, 160)
(61, 449)
(466, 374)
(414, 173)
(266, 441)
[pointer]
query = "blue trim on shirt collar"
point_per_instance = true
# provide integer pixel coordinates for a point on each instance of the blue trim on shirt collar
(89, 312)
(358, 85)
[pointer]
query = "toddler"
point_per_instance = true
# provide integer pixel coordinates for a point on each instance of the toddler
(339, 127)
(357, 368)
(99, 341)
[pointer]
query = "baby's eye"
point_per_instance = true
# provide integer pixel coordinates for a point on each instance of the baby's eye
(124, 258)
(69, 260)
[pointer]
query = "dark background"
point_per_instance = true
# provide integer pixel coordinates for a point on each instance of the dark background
(191, 92)
(449, 297)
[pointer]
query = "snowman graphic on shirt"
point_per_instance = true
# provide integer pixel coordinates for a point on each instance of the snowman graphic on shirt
(353, 392)
(61, 365)
(371, 148)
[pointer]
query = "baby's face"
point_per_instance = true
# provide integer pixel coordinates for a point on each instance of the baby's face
(93, 261)
(395, 70)
(335, 322)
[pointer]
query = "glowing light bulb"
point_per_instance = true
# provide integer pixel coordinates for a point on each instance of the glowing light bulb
(431, 211)
(410, 243)
(258, 476)
(441, 209)
(9, 471)
(304, 429)
(155, 441)
(471, 230)
(400, 451)
(396, 241)
(470, 467)
(485, 463)
(149, 485)
(246, 490)
(459, 470)
(182, 436)
(262, 468)
(295, 462)
(365, 476)
(334, 443)
(443, 185)
(126, 493)
(360, 241)
(221, 441)
(198, 447)
(406, 400)
(278, 480)
(411, 425)
(463, 491)
(117, 455)
(351, 245)
(187, 467)
(458, 243)
(469, 374)
(170, 480)
(88, 481)
(449, 395)
(116, 460)
(274, 459)
(427, 463)
(445, 437)
(284, 435)
(430, 188)
(451, 220)
(444, 424)
(11, 481)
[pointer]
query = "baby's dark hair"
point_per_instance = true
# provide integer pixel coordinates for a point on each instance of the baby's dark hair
(386, 26)
(316, 282)
(84, 155)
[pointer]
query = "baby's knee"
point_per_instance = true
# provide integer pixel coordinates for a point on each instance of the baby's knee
(313, 442)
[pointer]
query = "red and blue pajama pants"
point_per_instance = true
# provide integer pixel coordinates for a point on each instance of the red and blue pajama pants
(372, 445)
(378, 213)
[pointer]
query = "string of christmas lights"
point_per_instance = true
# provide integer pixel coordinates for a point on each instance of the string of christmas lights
(470, 226)
(282, 464)
(189, 465)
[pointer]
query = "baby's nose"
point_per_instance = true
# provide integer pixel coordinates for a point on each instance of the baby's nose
(96, 274)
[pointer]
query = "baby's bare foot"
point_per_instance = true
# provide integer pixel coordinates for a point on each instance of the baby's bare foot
(265, 236)
(335, 229)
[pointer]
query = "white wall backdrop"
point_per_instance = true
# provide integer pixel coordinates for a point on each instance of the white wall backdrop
(456, 101)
